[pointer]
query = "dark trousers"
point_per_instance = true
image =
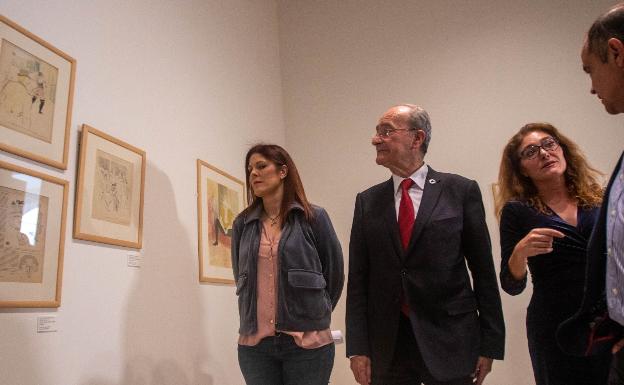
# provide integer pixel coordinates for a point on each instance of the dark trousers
(616, 374)
(408, 367)
(280, 361)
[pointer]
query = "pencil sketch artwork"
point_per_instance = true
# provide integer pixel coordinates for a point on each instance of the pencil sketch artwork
(222, 210)
(112, 190)
(23, 218)
(27, 92)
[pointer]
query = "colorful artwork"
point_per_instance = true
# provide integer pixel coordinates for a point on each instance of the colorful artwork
(220, 198)
(223, 207)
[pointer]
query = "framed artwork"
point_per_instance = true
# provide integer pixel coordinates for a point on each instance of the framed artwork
(36, 92)
(32, 235)
(220, 198)
(109, 196)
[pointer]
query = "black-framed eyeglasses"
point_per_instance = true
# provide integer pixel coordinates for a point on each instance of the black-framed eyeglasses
(549, 144)
(385, 132)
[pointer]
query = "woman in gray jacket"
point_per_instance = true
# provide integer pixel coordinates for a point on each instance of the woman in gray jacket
(289, 275)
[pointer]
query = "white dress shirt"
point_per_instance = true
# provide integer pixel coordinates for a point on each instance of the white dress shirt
(415, 192)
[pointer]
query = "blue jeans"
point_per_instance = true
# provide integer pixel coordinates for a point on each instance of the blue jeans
(279, 360)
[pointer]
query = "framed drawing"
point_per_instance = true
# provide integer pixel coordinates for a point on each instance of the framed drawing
(220, 198)
(36, 92)
(109, 196)
(32, 235)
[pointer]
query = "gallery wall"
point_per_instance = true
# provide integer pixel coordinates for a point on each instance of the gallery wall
(181, 80)
(481, 68)
(207, 78)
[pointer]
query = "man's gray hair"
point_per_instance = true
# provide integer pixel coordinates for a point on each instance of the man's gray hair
(418, 119)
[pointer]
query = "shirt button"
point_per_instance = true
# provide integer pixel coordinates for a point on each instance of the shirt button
(609, 251)
(271, 321)
(612, 213)
(614, 291)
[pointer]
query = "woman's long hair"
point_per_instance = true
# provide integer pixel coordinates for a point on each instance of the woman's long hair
(580, 178)
(293, 188)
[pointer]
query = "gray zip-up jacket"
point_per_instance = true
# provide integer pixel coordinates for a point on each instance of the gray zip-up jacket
(311, 270)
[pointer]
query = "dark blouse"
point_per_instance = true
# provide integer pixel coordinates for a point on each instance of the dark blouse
(557, 277)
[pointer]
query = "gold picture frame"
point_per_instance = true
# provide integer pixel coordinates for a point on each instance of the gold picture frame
(220, 198)
(110, 190)
(36, 94)
(33, 208)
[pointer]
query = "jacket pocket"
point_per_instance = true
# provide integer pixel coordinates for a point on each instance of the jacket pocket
(241, 283)
(306, 296)
(306, 279)
(461, 306)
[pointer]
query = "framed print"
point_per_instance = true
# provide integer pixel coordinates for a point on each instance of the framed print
(36, 92)
(109, 195)
(220, 198)
(32, 235)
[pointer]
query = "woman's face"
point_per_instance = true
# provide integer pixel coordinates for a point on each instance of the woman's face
(265, 177)
(541, 157)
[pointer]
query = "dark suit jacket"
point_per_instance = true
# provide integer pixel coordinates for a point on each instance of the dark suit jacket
(452, 322)
(573, 334)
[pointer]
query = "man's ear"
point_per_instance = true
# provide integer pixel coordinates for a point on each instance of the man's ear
(419, 138)
(616, 48)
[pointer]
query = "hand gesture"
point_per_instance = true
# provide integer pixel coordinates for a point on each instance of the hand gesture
(537, 241)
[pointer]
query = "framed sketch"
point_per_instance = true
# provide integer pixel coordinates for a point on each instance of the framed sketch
(220, 198)
(32, 235)
(109, 196)
(36, 92)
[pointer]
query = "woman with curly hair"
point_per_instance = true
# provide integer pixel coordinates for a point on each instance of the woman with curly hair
(547, 202)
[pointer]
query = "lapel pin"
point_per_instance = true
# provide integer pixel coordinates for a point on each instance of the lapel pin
(432, 181)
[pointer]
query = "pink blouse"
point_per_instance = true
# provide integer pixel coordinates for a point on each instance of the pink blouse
(268, 276)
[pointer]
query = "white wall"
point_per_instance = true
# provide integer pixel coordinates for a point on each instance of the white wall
(202, 79)
(181, 80)
(481, 68)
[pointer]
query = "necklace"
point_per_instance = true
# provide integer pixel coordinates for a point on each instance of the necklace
(274, 219)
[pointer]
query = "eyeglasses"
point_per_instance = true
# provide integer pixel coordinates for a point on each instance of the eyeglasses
(548, 144)
(385, 132)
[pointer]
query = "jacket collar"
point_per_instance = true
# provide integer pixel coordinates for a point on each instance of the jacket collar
(256, 213)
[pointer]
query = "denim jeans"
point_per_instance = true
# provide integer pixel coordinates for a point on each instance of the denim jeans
(279, 360)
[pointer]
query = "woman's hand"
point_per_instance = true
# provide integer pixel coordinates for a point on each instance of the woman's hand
(536, 242)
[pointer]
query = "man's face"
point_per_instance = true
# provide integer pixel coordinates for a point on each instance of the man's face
(607, 79)
(395, 149)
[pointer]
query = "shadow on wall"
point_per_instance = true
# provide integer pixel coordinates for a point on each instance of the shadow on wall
(163, 336)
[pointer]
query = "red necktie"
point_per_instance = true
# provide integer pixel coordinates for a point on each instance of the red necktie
(406, 223)
(406, 212)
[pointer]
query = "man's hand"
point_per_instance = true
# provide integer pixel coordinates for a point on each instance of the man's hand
(484, 366)
(618, 345)
(361, 368)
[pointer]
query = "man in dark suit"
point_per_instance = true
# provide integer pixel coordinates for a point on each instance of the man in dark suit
(412, 315)
(591, 330)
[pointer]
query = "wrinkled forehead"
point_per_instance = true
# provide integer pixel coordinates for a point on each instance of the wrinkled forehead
(396, 115)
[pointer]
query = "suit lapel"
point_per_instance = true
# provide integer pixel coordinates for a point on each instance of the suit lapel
(389, 214)
(431, 193)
